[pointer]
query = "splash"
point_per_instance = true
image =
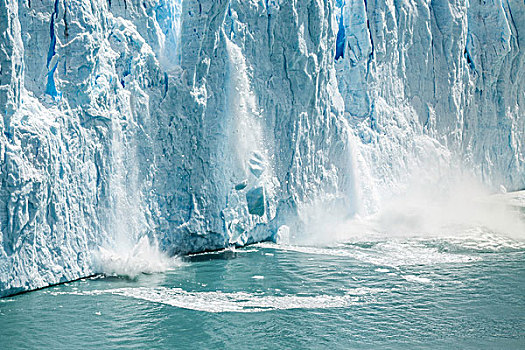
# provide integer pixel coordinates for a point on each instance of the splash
(144, 258)
(461, 207)
(452, 209)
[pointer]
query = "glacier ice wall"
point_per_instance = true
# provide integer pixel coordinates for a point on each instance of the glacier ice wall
(449, 70)
(202, 124)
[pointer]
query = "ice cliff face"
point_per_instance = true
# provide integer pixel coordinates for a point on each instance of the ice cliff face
(449, 70)
(203, 124)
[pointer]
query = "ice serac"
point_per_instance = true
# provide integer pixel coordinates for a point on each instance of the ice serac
(207, 123)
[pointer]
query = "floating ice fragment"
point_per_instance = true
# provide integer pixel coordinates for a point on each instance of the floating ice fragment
(256, 164)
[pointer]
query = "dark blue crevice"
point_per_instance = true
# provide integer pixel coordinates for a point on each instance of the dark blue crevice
(51, 86)
(166, 81)
(468, 57)
(232, 26)
(341, 39)
(369, 30)
(469, 60)
(53, 42)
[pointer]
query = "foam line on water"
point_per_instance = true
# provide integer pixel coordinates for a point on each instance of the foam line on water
(217, 301)
(390, 253)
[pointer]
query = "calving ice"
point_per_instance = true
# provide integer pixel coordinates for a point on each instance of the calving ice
(132, 129)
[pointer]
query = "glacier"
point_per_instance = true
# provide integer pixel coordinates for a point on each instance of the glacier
(203, 124)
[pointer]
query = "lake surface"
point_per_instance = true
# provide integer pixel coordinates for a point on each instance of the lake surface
(393, 293)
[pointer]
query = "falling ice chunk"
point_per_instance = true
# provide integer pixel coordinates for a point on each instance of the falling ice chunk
(241, 186)
(256, 164)
(283, 235)
(255, 199)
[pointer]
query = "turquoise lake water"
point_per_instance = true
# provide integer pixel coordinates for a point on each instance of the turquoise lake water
(438, 293)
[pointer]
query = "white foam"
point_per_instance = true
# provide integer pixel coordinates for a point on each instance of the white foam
(382, 270)
(417, 279)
